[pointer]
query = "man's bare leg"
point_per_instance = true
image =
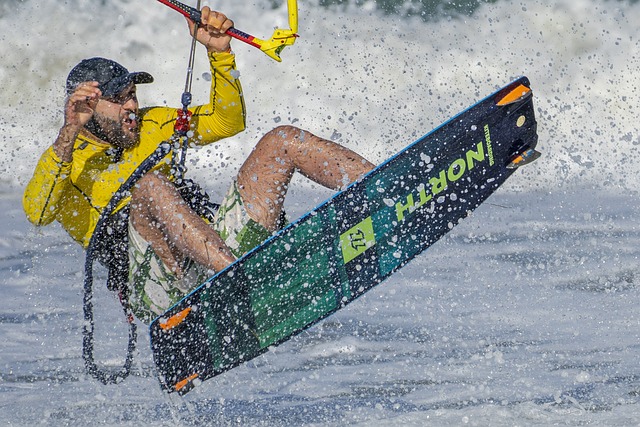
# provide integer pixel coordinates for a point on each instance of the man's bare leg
(163, 219)
(173, 230)
(264, 177)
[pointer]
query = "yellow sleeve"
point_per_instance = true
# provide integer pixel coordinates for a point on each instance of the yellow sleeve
(46, 188)
(222, 117)
(225, 114)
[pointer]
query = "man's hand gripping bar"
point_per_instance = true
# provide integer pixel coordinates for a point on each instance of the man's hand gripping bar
(272, 47)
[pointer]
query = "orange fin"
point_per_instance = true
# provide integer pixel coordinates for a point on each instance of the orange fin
(515, 95)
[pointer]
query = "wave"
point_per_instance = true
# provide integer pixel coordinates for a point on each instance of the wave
(371, 76)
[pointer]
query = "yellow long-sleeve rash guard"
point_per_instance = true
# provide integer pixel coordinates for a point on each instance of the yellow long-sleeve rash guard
(75, 193)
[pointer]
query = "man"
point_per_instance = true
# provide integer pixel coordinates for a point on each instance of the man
(170, 247)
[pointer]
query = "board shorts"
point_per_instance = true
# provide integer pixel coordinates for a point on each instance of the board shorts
(154, 288)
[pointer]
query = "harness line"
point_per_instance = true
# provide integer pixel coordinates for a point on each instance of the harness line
(178, 143)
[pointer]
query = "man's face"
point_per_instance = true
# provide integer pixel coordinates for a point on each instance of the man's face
(118, 118)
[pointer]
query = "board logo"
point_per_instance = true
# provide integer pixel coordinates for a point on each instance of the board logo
(438, 183)
(357, 239)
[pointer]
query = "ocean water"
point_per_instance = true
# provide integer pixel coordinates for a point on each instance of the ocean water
(525, 314)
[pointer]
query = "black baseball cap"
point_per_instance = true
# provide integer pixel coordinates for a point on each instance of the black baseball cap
(112, 77)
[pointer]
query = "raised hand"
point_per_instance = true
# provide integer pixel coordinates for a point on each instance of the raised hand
(78, 110)
(212, 30)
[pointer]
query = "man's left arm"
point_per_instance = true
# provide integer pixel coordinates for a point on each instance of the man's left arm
(225, 114)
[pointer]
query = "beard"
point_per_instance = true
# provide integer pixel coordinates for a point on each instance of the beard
(123, 133)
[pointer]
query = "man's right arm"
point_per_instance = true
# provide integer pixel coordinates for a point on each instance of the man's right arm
(41, 199)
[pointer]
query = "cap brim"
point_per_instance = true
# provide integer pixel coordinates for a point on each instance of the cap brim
(141, 77)
(117, 85)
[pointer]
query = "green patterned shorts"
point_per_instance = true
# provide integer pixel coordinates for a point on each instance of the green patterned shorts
(154, 288)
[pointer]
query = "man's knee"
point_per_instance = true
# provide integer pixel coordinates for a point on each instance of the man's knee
(285, 131)
(286, 135)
